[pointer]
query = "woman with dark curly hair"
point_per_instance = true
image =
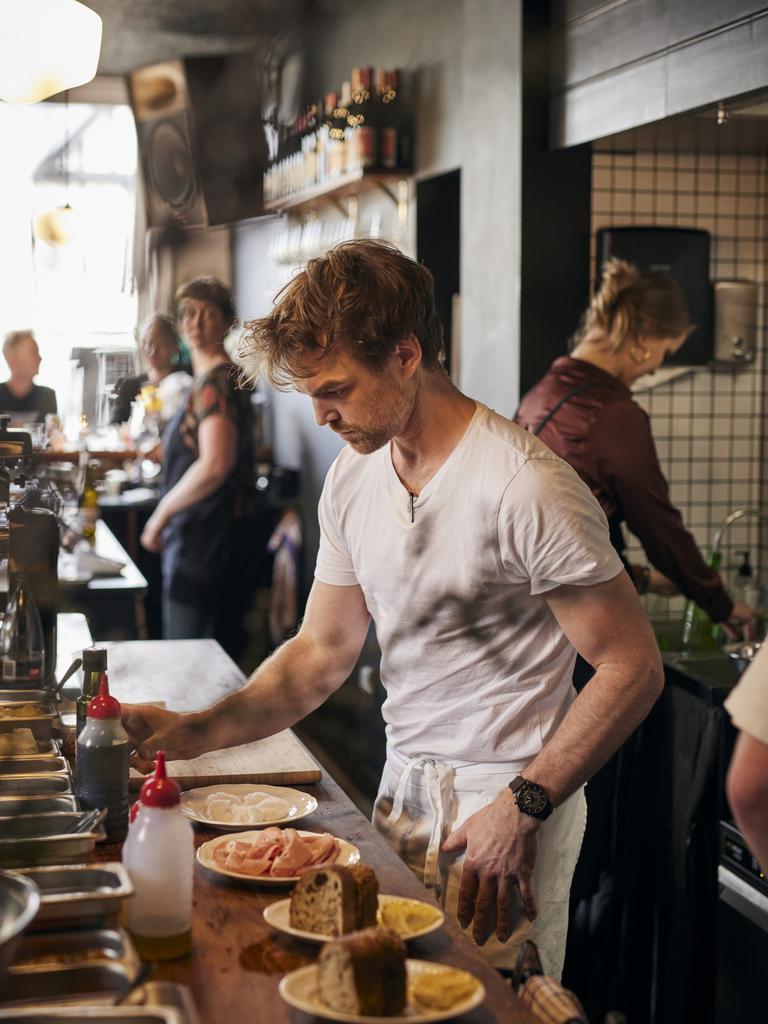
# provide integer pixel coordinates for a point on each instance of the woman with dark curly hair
(207, 449)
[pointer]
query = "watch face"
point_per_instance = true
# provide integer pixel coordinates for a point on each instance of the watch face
(531, 799)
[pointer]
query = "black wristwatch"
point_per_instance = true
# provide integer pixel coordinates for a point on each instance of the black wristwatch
(531, 798)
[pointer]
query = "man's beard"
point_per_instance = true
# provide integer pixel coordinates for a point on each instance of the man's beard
(366, 438)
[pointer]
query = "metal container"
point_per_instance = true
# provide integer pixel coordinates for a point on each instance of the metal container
(11, 805)
(19, 902)
(742, 652)
(31, 839)
(94, 1015)
(79, 895)
(93, 965)
(24, 697)
(40, 723)
(10, 766)
(35, 785)
(45, 748)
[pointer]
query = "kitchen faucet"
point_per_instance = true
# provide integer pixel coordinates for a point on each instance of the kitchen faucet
(730, 519)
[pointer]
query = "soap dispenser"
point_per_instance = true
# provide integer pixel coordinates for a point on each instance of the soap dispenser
(746, 584)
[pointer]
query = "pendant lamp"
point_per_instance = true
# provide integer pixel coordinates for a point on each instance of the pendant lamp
(46, 46)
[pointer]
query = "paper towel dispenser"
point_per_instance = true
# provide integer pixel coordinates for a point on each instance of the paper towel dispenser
(683, 253)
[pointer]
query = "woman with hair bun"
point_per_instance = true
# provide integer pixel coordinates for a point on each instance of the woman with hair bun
(584, 410)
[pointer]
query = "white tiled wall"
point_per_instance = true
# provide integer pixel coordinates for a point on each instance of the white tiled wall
(708, 424)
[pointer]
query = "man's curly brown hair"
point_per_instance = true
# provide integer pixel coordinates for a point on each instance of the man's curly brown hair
(361, 297)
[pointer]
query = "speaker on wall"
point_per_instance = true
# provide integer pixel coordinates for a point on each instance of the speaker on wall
(201, 139)
(683, 253)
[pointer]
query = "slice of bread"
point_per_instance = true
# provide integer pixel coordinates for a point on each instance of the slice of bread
(334, 900)
(364, 973)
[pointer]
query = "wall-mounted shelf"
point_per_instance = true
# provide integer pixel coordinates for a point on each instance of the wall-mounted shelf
(346, 187)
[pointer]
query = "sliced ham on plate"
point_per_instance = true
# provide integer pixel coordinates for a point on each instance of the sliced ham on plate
(277, 853)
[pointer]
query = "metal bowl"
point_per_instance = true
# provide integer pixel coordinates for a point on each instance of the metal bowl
(19, 902)
(743, 652)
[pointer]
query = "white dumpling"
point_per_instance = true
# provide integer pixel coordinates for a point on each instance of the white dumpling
(219, 810)
(273, 807)
(253, 799)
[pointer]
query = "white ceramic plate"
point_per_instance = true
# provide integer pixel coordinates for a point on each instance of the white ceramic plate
(193, 802)
(348, 854)
(299, 989)
(278, 916)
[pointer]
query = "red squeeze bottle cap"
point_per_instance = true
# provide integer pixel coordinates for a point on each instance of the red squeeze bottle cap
(103, 705)
(160, 791)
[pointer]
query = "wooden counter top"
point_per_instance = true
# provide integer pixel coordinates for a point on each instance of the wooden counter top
(237, 959)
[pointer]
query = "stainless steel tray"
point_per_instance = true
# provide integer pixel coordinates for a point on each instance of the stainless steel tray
(31, 839)
(94, 1015)
(45, 748)
(12, 766)
(41, 724)
(79, 895)
(38, 784)
(84, 965)
(24, 696)
(156, 1002)
(10, 805)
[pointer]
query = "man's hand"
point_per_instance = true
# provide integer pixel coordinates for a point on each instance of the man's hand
(152, 729)
(501, 846)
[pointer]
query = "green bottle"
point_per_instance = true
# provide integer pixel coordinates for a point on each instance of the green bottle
(700, 633)
(94, 663)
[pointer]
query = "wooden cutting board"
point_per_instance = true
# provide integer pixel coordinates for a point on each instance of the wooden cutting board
(279, 760)
(189, 675)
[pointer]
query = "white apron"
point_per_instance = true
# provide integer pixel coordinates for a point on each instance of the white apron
(421, 800)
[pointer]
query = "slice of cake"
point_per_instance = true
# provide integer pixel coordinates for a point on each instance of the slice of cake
(334, 900)
(364, 973)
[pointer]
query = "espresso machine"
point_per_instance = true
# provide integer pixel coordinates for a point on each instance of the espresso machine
(29, 537)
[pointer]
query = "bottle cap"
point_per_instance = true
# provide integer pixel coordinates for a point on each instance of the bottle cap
(103, 705)
(95, 659)
(160, 791)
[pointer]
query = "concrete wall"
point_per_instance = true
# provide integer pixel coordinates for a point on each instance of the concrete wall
(463, 57)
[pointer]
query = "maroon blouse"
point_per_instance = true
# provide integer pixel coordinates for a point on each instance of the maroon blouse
(605, 435)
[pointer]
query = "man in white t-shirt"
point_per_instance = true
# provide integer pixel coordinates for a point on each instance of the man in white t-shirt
(748, 773)
(485, 564)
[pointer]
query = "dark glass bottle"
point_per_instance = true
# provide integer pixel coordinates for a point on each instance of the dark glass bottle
(22, 649)
(362, 120)
(94, 663)
(101, 776)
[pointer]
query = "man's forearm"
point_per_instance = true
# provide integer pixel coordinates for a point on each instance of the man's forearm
(285, 688)
(606, 712)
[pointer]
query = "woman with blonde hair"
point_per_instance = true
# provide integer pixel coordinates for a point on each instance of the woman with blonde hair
(584, 410)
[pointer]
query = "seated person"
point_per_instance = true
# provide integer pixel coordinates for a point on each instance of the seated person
(26, 401)
(159, 347)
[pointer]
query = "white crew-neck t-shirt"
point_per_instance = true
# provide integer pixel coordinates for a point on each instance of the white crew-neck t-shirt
(475, 666)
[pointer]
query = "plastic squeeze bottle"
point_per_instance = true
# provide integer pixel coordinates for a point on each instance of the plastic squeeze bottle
(101, 773)
(159, 857)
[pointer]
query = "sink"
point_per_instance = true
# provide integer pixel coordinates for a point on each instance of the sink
(713, 669)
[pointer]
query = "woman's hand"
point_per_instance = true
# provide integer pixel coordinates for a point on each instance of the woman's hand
(741, 624)
(152, 534)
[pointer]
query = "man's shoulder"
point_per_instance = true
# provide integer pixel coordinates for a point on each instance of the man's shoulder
(503, 438)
